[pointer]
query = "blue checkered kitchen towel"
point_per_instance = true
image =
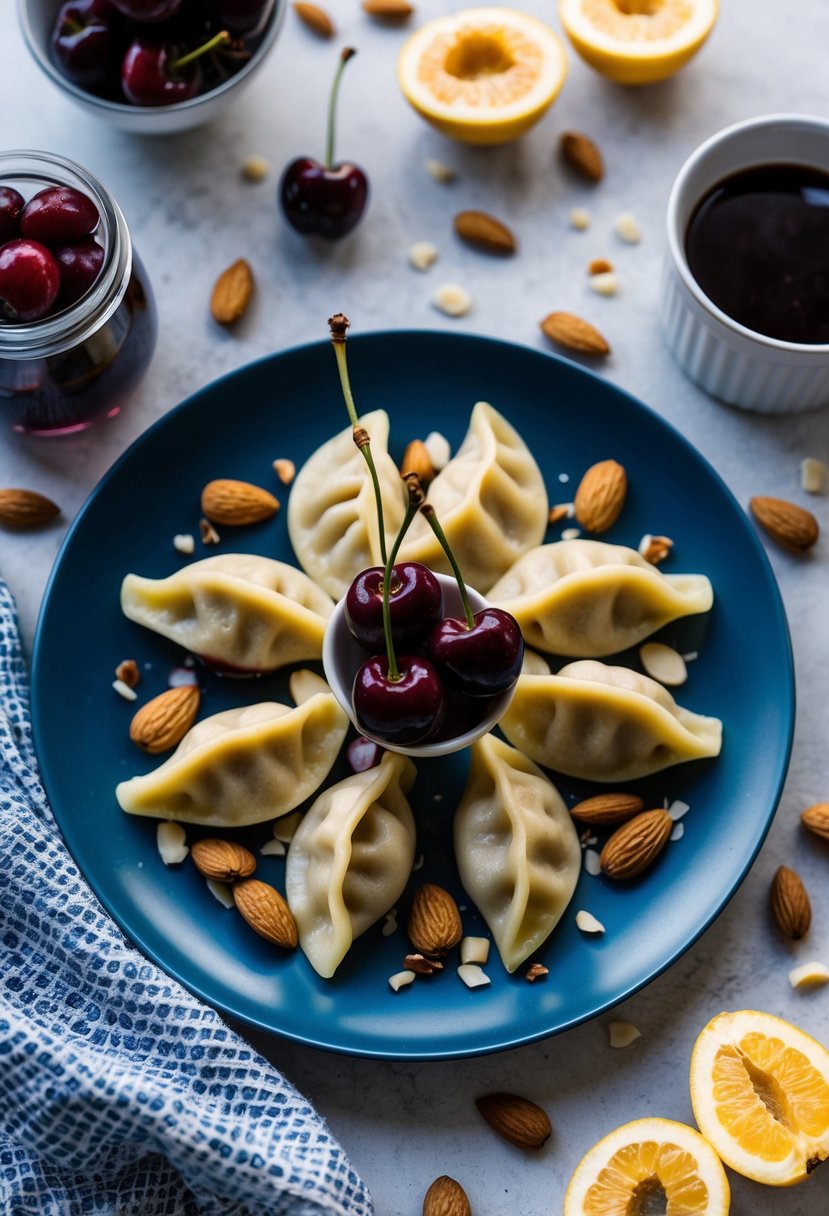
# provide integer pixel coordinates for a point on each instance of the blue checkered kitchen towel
(120, 1093)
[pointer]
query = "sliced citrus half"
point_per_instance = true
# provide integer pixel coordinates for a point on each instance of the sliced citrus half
(637, 41)
(483, 75)
(649, 1165)
(760, 1093)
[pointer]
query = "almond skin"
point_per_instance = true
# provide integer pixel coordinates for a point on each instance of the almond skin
(232, 293)
(816, 819)
(163, 722)
(26, 509)
(416, 459)
(601, 496)
(237, 503)
(446, 1197)
(636, 844)
(266, 912)
(571, 332)
(518, 1120)
(485, 232)
(316, 19)
(389, 10)
(582, 154)
(604, 809)
(790, 525)
(434, 921)
(222, 860)
(790, 904)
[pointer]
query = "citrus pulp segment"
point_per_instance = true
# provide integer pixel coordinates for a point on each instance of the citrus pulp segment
(637, 41)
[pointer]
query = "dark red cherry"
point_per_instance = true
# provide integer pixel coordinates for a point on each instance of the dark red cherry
(11, 204)
(403, 711)
(363, 754)
(79, 265)
(480, 661)
(148, 10)
(321, 199)
(83, 42)
(29, 280)
(415, 605)
(149, 76)
(248, 17)
(58, 214)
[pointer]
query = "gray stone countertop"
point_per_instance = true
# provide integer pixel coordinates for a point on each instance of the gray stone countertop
(190, 214)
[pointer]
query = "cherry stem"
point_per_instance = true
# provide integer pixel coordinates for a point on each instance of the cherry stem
(429, 511)
(412, 507)
(338, 324)
(219, 39)
(347, 53)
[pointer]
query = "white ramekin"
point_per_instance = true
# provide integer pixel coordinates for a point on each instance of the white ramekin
(727, 360)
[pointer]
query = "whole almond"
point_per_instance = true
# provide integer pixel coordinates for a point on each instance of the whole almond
(315, 18)
(604, 809)
(582, 154)
(266, 912)
(571, 332)
(791, 526)
(164, 721)
(601, 496)
(637, 843)
(388, 10)
(26, 509)
(790, 903)
(237, 503)
(232, 293)
(516, 1119)
(485, 232)
(434, 920)
(416, 459)
(222, 860)
(446, 1197)
(816, 819)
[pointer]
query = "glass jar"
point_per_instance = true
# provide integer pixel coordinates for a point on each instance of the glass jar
(64, 372)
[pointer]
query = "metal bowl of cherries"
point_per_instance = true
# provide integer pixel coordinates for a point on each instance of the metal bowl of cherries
(151, 66)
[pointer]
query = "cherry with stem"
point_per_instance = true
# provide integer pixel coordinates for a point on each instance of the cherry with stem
(150, 76)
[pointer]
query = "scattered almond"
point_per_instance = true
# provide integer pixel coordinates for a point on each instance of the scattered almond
(237, 503)
(583, 155)
(26, 509)
(809, 975)
(814, 475)
(273, 848)
(171, 842)
(266, 911)
(536, 971)
(401, 979)
(816, 819)
(315, 18)
(600, 266)
(580, 219)
(255, 169)
(164, 721)
(603, 809)
(636, 844)
(485, 232)
(791, 526)
(452, 299)
(790, 903)
(574, 334)
(128, 673)
(183, 542)
(446, 1197)
(622, 1034)
(416, 459)
(222, 860)
(588, 923)
(434, 924)
(601, 496)
(518, 1120)
(606, 284)
(209, 535)
(222, 892)
(559, 512)
(422, 965)
(663, 663)
(628, 229)
(474, 950)
(439, 171)
(592, 863)
(285, 470)
(388, 10)
(422, 255)
(232, 293)
(473, 975)
(655, 549)
(124, 690)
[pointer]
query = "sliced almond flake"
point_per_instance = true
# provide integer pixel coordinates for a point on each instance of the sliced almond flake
(124, 690)
(663, 663)
(677, 832)
(571, 534)
(691, 656)
(439, 450)
(422, 255)
(209, 535)
(273, 848)
(439, 172)
(557, 513)
(184, 542)
(474, 949)
(284, 828)
(592, 863)
(222, 892)
(809, 975)
(285, 470)
(622, 1034)
(452, 299)
(580, 219)
(677, 809)
(401, 979)
(605, 284)
(588, 923)
(628, 229)
(473, 976)
(390, 923)
(182, 677)
(814, 475)
(170, 839)
(536, 971)
(418, 865)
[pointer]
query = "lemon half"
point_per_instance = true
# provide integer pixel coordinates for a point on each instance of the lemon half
(637, 41)
(760, 1093)
(649, 1165)
(484, 75)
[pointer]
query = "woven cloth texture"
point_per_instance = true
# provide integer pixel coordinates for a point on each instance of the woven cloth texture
(120, 1092)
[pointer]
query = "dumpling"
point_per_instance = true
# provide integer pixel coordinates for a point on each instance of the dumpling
(490, 500)
(245, 765)
(350, 859)
(332, 516)
(586, 599)
(516, 848)
(239, 612)
(605, 723)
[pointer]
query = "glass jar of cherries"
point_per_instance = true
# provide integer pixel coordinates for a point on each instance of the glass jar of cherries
(78, 321)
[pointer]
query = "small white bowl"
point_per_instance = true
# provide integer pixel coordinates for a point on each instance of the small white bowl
(730, 362)
(36, 19)
(341, 656)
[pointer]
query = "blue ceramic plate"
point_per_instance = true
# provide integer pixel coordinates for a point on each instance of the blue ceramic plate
(285, 406)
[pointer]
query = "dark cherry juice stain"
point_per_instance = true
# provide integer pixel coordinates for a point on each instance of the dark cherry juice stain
(758, 246)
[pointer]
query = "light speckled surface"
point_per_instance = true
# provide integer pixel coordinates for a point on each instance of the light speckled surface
(190, 214)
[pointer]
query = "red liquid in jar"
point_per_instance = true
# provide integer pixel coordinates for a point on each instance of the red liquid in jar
(758, 246)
